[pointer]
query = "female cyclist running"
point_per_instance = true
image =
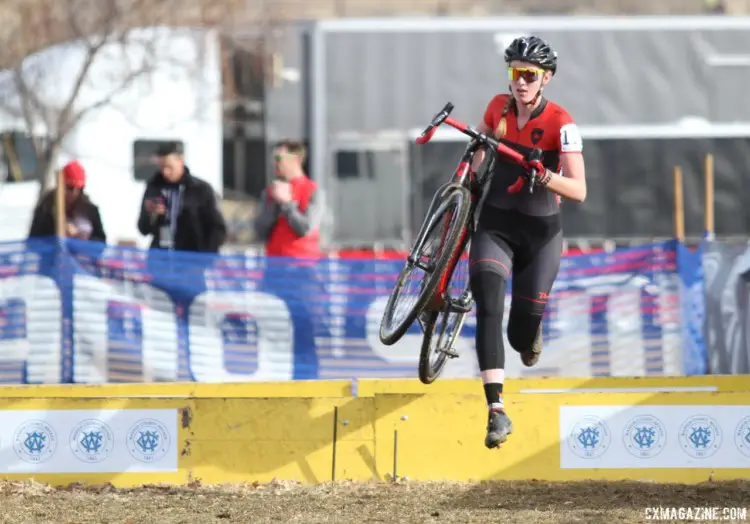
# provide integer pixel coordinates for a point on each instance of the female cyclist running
(520, 232)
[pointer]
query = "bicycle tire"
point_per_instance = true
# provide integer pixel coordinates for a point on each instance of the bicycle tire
(389, 333)
(428, 371)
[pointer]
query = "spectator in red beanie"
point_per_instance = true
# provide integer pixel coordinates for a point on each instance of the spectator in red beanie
(83, 219)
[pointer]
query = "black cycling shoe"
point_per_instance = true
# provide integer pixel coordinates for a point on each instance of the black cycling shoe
(499, 427)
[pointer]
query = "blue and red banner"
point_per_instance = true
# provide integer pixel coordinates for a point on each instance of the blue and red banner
(84, 312)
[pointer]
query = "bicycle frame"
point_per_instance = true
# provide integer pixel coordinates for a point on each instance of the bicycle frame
(461, 177)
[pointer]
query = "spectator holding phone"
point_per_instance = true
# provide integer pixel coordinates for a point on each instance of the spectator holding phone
(83, 220)
(289, 224)
(292, 207)
(179, 209)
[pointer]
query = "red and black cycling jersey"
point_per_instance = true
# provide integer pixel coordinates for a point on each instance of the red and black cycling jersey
(550, 129)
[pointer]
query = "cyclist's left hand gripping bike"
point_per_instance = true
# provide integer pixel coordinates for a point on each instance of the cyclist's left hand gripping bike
(442, 240)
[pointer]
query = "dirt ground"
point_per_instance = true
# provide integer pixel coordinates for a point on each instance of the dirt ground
(511, 502)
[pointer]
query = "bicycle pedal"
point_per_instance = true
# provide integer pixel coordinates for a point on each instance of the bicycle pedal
(460, 306)
(450, 353)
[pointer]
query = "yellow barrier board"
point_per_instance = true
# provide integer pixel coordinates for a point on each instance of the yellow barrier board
(710, 383)
(298, 388)
(671, 436)
(440, 437)
(371, 387)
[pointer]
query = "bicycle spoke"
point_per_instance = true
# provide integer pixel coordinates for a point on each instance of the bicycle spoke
(438, 345)
(419, 275)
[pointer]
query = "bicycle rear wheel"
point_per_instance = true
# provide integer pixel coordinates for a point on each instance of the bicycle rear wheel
(443, 230)
(441, 333)
(443, 328)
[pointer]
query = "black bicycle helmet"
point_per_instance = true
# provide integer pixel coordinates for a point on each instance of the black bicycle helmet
(534, 50)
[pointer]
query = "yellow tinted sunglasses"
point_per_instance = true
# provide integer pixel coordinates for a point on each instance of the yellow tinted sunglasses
(529, 74)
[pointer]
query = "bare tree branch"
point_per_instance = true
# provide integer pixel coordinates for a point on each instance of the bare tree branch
(126, 82)
(110, 13)
(66, 118)
(95, 31)
(30, 109)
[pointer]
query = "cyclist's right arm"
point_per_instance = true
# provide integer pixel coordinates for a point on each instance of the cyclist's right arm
(480, 154)
(485, 126)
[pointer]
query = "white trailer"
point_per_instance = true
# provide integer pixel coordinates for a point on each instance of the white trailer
(179, 98)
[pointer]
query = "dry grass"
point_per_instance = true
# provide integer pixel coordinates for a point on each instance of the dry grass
(516, 502)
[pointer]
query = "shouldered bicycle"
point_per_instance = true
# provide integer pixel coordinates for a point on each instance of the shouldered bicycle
(443, 238)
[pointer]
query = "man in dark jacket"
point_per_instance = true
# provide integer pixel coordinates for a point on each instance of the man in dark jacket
(179, 209)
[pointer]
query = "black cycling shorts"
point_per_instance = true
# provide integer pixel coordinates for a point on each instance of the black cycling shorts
(528, 247)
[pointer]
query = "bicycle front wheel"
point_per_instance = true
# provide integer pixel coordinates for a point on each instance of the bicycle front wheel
(420, 276)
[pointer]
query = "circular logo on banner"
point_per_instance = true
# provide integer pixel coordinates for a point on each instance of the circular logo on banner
(742, 436)
(644, 436)
(148, 440)
(700, 436)
(91, 441)
(589, 438)
(35, 441)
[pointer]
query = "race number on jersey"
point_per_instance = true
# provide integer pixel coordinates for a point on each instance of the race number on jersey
(570, 139)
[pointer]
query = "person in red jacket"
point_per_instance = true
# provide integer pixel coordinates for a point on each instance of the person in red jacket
(289, 220)
(292, 207)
